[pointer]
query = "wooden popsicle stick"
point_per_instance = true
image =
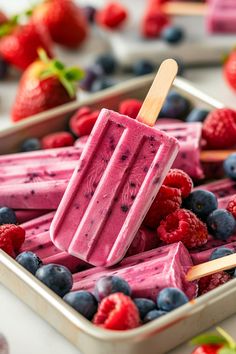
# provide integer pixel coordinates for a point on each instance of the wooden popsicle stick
(184, 8)
(157, 93)
(212, 267)
(211, 155)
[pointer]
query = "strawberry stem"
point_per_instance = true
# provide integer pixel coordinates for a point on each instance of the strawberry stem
(67, 76)
(230, 341)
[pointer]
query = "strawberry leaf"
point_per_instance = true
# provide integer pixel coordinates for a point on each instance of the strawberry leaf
(74, 74)
(69, 86)
(208, 338)
(226, 351)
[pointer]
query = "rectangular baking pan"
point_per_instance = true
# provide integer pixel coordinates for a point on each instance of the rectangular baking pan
(157, 337)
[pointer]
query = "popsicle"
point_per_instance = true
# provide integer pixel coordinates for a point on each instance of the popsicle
(147, 273)
(38, 225)
(25, 215)
(118, 176)
(188, 136)
(222, 188)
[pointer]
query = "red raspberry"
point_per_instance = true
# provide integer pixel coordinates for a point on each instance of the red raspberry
(231, 207)
(180, 180)
(11, 238)
(167, 200)
(117, 311)
(112, 15)
(183, 225)
(153, 22)
(130, 107)
(211, 282)
(219, 129)
(82, 122)
(144, 240)
(56, 140)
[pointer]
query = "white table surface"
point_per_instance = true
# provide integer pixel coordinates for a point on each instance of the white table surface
(25, 331)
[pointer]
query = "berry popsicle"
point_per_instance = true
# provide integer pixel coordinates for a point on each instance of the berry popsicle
(24, 215)
(149, 272)
(118, 176)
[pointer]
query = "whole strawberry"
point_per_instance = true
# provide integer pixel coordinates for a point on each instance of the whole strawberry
(64, 20)
(44, 85)
(19, 44)
(229, 70)
(214, 343)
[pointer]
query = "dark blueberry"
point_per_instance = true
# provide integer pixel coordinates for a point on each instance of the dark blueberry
(82, 301)
(144, 306)
(153, 315)
(222, 252)
(110, 285)
(89, 12)
(57, 277)
(230, 166)
(7, 216)
(197, 115)
(170, 299)
(31, 144)
(107, 62)
(201, 203)
(221, 224)
(92, 74)
(142, 67)
(29, 261)
(101, 84)
(175, 106)
(3, 68)
(172, 34)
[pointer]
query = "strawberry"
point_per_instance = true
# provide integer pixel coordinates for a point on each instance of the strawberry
(229, 70)
(19, 43)
(64, 20)
(3, 18)
(214, 343)
(44, 85)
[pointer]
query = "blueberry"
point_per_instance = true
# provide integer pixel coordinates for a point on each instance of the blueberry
(144, 306)
(92, 74)
(230, 166)
(82, 301)
(172, 35)
(7, 216)
(109, 285)
(29, 261)
(107, 62)
(89, 13)
(30, 144)
(58, 278)
(142, 67)
(222, 252)
(221, 224)
(201, 203)
(197, 115)
(101, 84)
(153, 315)
(170, 299)
(175, 106)
(3, 68)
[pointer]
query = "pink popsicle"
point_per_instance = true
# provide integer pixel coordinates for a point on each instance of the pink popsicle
(147, 273)
(221, 16)
(25, 215)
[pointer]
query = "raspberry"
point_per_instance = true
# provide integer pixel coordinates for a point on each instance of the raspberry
(11, 238)
(219, 129)
(153, 22)
(112, 15)
(117, 311)
(211, 282)
(82, 122)
(180, 180)
(231, 207)
(130, 107)
(167, 200)
(56, 140)
(144, 240)
(183, 225)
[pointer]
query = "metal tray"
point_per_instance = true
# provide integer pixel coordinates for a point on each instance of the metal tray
(159, 336)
